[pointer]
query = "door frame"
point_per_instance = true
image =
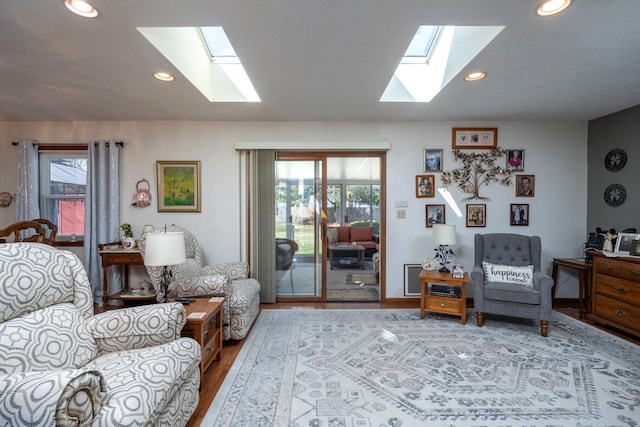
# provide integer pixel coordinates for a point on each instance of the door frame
(323, 155)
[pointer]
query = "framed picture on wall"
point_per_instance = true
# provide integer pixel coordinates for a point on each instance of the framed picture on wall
(515, 160)
(477, 215)
(425, 186)
(435, 214)
(178, 186)
(525, 185)
(432, 160)
(474, 138)
(519, 214)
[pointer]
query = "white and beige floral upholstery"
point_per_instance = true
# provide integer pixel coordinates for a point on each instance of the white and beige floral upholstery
(61, 365)
(230, 280)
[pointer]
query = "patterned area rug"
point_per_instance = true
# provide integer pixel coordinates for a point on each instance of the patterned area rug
(326, 368)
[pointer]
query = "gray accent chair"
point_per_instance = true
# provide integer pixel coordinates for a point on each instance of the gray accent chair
(510, 299)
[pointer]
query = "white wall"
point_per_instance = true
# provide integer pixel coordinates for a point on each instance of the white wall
(555, 152)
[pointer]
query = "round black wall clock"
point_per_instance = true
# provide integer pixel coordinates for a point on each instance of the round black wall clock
(615, 195)
(615, 160)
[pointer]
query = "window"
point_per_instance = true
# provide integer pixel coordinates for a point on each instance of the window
(63, 179)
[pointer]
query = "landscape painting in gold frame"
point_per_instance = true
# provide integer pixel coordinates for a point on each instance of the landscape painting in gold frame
(178, 186)
(474, 138)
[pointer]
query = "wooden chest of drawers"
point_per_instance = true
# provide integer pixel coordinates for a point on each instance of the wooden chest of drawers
(615, 293)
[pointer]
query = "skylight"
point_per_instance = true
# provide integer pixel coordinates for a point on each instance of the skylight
(217, 43)
(435, 55)
(205, 56)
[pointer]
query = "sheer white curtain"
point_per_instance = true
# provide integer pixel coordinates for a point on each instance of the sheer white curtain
(102, 211)
(27, 190)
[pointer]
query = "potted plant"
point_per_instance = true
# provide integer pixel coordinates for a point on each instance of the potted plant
(128, 242)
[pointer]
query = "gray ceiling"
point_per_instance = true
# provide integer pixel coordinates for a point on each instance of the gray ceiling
(317, 60)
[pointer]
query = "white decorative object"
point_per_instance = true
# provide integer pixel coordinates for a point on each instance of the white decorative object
(498, 273)
(129, 243)
(428, 264)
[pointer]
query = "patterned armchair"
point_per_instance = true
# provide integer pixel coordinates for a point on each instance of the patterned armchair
(507, 279)
(230, 280)
(61, 365)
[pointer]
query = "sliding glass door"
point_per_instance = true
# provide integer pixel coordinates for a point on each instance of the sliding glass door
(320, 192)
(299, 225)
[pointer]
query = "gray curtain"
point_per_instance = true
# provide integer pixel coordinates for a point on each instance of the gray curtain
(262, 221)
(27, 190)
(102, 212)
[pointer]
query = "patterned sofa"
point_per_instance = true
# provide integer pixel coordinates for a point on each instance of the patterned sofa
(230, 280)
(61, 365)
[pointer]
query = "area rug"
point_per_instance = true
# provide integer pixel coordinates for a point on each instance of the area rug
(325, 368)
(361, 279)
(353, 295)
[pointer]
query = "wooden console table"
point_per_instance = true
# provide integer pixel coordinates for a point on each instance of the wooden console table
(454, 305)
(584, 271)
(119, 256)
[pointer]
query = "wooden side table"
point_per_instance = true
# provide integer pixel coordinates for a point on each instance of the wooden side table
(584, 271)
(454, 305)
(204, 324)
(119, 256)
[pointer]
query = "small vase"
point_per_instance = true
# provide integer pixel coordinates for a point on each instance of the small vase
(129, 243)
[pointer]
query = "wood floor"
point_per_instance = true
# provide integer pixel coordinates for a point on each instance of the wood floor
(216, 373)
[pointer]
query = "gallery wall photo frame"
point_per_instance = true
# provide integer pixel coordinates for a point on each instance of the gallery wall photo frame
(425, 186)
(624, 243)
(476, 215)
(432, 160)
(474, 138)
(178, 186)
(515, 160)
(435, 214)
(525, 185)
(519, 214)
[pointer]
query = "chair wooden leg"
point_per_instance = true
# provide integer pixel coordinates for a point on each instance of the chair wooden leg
(544, 327)
(480, 318)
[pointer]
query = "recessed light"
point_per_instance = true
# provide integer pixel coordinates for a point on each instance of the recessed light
(82, 8)
(165, 77)
(476, 75)
(551, 7)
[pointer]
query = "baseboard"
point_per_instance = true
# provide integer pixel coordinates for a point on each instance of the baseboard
(415, 302)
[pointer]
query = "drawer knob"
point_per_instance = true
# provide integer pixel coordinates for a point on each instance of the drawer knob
(621, 289)
(635, 272)
(621, 313)
(441, 305)
(607, 267)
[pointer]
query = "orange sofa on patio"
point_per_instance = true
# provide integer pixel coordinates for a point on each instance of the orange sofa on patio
(361, 235)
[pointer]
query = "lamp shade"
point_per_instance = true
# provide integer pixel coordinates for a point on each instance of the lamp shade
(164, 249)
(443, 234)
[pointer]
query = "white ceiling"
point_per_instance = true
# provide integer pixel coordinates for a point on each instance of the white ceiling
(317, 60)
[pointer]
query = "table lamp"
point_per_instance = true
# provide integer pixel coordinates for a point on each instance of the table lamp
(443, 235)
(162, 250)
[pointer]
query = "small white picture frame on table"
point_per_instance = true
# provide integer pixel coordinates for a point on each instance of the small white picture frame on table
(624, 243)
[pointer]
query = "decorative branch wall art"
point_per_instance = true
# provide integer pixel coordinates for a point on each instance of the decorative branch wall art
(477, 169)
